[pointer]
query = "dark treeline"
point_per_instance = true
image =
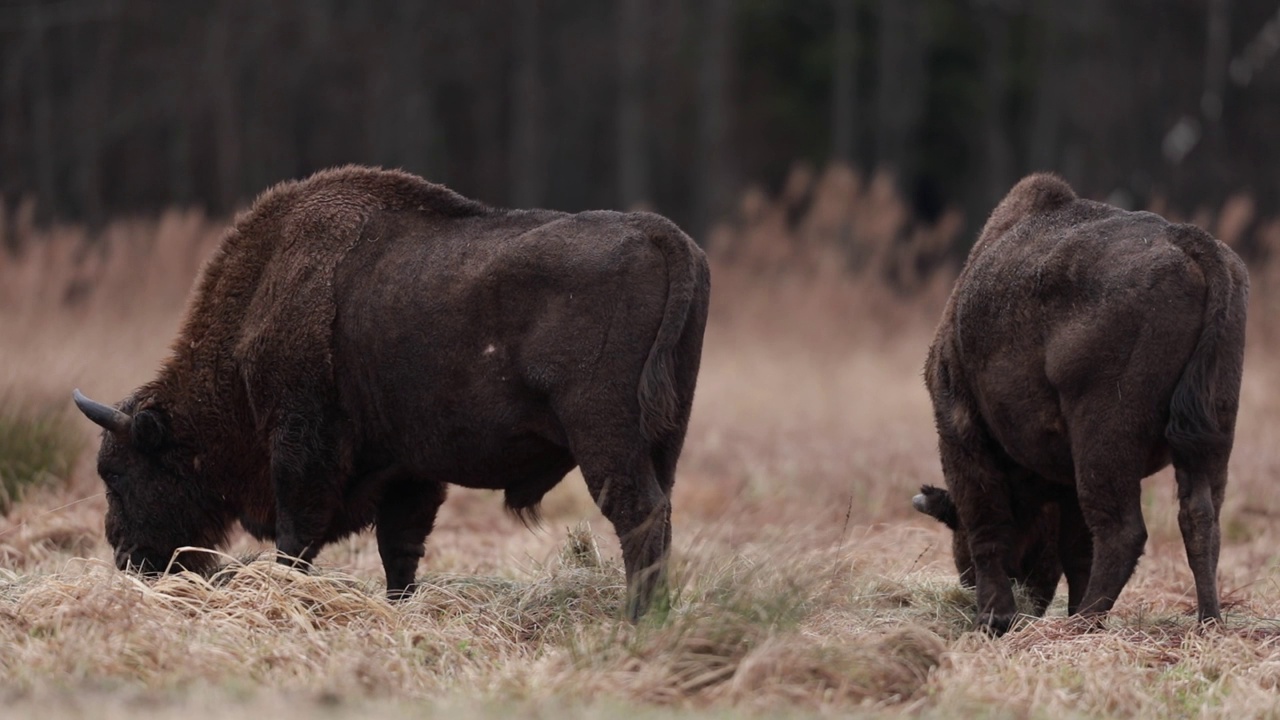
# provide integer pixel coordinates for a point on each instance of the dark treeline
(119, 106)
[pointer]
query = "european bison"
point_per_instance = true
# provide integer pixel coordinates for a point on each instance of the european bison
(363, 338)
(1088, 346)
(1049, 537)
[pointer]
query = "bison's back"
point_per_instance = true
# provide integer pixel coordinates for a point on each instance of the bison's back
(1067, 309)
(454, 340)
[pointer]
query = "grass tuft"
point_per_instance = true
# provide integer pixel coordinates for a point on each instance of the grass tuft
(37, 448)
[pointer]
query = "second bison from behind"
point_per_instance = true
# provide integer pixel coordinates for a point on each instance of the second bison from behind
(1088, 347)
(363, 338)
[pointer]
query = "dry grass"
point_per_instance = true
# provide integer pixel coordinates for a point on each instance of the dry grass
(804, 584)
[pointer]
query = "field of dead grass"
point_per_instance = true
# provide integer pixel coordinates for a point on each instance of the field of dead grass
(804, 584)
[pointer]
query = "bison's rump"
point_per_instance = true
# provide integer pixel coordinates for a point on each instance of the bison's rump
(1059, 310)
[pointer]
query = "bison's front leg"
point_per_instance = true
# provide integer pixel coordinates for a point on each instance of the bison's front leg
(304, 476)
(406, 514)
(982, 502)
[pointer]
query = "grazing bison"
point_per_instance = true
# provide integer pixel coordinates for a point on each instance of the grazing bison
(1043, 545)
(1087, 346)
(363, 338)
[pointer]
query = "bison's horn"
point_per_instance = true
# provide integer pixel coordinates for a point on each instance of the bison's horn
(104, 415)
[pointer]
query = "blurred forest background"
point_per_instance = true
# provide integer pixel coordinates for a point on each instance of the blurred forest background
(111, 107)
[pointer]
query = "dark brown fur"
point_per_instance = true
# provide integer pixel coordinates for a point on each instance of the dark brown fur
(1085, 346)
(363, 338)
(1038, 552)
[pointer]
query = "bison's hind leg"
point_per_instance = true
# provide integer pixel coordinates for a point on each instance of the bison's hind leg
(1075, 551)
(1043, 573)
(980, 491)
(1110, 464)
(1200, 495)
(617, 464)
(978, 483)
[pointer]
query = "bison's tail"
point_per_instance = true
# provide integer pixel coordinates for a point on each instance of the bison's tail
(660, 408)
(1203, 407)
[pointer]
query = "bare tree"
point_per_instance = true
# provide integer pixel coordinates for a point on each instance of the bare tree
(418, 128)
(221, 70)
(13, 115)
(633, 162)
(1046, 111)
(528, 167)
(45, 151)
(94, 123)
(711, 184)
(844, 91)
(1000, 169)
(900, 91)
(1217, 54)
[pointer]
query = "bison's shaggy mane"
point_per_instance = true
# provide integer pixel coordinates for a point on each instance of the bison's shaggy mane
(327, 211)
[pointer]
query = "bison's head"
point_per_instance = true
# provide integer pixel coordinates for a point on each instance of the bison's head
(157, 500)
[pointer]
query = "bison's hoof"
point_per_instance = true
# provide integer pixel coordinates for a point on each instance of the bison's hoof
(292, 561)
(996, 623)
(1092, 621)
(1211, 623)
(401, 594)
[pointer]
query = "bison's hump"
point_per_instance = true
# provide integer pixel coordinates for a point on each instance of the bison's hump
(1033, 195)
(1041, 191)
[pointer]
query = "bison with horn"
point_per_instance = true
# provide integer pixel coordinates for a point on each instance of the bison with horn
(363, 338)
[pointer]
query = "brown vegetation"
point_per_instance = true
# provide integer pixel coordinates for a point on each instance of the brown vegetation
(803, 582)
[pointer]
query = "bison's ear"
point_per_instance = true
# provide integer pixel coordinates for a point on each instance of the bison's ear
(150, 431)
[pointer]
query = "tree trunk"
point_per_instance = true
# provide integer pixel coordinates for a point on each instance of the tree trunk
(1217, 54)
(221, 81)
(418, 127)
(42, 115)
(528, 167)
(633, 156)
(900, 90)
(1046, 114)
(711, 189)
(1215, 170)
(15, 180)
(999, 151)
(844, 91)
(94, 120)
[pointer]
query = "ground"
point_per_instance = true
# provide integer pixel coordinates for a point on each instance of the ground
(804, 583)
